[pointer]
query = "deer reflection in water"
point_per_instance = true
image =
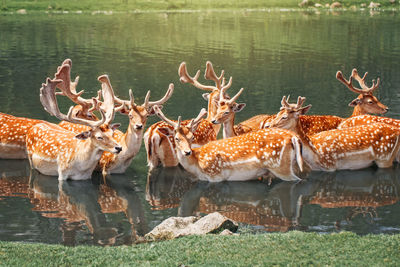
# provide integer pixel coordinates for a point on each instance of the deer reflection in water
(359, 192)
(82, 205)
(277, 207)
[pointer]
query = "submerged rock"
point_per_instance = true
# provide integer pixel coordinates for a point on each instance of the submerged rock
(182, 226)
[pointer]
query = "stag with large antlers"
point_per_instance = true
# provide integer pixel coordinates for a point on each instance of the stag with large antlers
(365, 103)
(239, 158)
(352, 148)
(131, 140)
(160, 145)
(53, 150)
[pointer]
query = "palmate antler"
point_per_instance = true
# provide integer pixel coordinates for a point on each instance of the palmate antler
(49, 102)
(68, 88)
(354, 75)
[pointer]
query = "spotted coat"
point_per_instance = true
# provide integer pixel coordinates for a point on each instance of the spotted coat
(13, 132)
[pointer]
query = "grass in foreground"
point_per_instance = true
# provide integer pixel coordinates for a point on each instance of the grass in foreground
(157, 5)
(294, 248)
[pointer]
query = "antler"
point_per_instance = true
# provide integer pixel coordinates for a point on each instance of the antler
(194, 122)
(209, 75)
(68, 88)
(354, 75)
(147, 104)
(293, 107)
(161, 115)
(168, 94)
(108, 98)
(49, 102)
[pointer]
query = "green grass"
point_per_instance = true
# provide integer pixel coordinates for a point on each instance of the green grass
(294, 248)
(157, 5)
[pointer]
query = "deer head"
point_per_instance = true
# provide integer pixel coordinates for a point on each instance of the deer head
(366, 102)
(288, 116)
(183, 135)
(213, 96)
(138, 114)
(227, 108)
(101, 132)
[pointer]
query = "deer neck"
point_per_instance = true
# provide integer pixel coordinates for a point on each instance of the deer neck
(310, 153)
(357, 111)
(229, 130)
(132, 140)
(87, 152)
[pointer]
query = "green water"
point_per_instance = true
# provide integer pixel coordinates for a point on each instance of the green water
(270, 54)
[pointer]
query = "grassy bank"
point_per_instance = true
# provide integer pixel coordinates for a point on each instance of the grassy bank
(294, 248)
(157, 5)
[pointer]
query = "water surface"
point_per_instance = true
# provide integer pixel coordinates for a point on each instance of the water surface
(270, 54)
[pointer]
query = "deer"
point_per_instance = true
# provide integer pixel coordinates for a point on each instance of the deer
(225, 114)
(160, 145)
(53, 151)
(365, 103)
(14, 129)
(352, 148)
(239, 158)
(131, 140)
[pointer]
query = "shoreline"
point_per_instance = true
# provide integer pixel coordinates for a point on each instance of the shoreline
(188, 11)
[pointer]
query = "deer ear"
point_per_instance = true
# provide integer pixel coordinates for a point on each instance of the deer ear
(115, 126)
(206, 96)
(355, 102)
(84, 135)
(165, 131)
(152, 112)
(305, 109)
(238, 107)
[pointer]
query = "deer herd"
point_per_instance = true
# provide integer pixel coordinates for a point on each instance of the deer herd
(287, 145)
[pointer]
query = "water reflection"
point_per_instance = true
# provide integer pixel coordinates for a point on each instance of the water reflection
(277, 207)
(358, 195)
(83, 206)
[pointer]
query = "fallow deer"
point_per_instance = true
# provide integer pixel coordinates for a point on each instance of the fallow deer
(365, 103)
(160, 146)
(53, 150)
(351, 148)
(225, 113)
(131, 140)
(14, 129)
(239, 158)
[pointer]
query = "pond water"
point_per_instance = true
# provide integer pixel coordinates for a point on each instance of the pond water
(270, 54)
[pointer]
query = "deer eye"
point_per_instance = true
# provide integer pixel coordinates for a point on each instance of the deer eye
(226, 112)
(99, 138)
(284, 117)
(177, 139)
(370, 102)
